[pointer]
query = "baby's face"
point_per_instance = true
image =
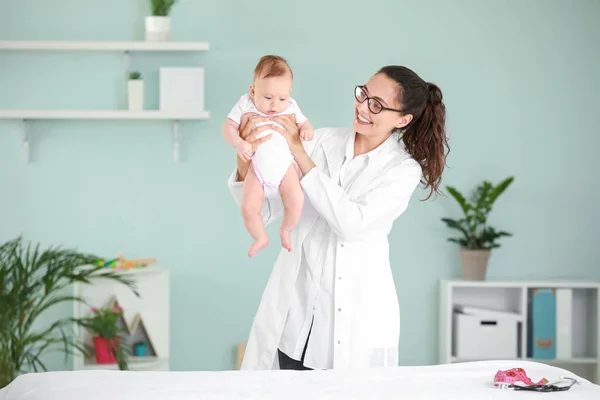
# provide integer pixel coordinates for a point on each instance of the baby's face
(271, 95)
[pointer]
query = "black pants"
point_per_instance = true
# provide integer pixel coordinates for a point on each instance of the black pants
(286, 362)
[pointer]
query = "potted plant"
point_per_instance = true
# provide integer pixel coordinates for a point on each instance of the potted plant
(108, 341)
(478, 238)
(135, 91)
(158, 25)
(32, 282)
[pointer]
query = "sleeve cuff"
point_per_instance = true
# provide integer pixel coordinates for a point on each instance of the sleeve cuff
(308, 180)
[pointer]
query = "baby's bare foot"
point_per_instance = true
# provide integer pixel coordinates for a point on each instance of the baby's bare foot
(286, 242)
(258, 245)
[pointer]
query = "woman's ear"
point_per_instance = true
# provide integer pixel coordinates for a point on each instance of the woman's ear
(404, 120)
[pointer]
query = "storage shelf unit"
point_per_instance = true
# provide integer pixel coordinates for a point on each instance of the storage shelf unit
(152, 283)
(514, 297)
(122, 46)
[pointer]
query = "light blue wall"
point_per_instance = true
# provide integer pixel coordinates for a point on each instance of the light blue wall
(521, 85)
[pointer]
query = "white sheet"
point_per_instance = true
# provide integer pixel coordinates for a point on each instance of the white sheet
(464, 381)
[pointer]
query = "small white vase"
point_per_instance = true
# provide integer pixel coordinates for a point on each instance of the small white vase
(135, 94)
(158, 29)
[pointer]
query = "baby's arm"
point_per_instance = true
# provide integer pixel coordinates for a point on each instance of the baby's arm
(232, 136)
(306, 130)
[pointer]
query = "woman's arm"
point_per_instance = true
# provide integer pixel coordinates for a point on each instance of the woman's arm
(349, 218)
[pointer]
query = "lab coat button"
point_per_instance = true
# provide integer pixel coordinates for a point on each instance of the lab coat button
(339, 342)
(342, 244)
(339, 309)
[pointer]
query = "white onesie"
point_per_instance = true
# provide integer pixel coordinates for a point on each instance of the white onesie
(272, 158)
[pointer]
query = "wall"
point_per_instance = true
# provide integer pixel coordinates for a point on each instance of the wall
(520, 83)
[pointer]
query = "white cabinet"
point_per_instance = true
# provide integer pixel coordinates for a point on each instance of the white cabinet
(152, 306)
(574, 317)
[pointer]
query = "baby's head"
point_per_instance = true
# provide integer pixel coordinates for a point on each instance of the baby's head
(272, 85)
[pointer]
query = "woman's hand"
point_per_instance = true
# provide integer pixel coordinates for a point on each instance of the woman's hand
(248, 133)
(290, 133)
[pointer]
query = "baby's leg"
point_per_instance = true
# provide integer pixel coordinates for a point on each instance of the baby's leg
(252, 201)
(292, 198)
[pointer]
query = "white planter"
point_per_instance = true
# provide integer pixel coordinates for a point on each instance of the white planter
(158, 29)
(135, 94)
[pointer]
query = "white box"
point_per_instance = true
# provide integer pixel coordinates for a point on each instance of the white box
(481, 335)
(181, 89)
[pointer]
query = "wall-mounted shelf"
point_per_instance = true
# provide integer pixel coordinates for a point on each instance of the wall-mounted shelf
(107, 46)
(175, 116)
(122, 46)
(103, 114)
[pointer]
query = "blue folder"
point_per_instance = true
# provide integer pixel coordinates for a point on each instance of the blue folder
(543, 324)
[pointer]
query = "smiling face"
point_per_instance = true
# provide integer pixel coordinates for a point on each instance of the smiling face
(271, 95)
(378, 125)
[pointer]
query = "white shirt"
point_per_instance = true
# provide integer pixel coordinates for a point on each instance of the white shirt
(312, 300)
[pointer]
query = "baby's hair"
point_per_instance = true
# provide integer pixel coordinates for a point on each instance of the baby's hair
(272, 66)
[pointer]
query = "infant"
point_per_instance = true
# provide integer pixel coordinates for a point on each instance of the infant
(272, 166)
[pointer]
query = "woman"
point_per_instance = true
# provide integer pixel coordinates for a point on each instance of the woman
(331, 301)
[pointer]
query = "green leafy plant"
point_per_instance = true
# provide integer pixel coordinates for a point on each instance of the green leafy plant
(161, 8)
(135, 75)
(104, 323)
(32, 282)
(476, 233)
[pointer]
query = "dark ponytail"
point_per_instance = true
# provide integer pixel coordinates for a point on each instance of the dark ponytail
(425, 136)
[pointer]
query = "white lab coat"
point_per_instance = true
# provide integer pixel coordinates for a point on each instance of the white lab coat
(367, 334)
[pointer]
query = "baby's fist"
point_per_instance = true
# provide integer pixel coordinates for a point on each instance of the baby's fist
(244, 150)
(307, 135)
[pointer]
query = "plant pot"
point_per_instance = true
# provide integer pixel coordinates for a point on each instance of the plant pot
(158, 28)
(135, 94)
(104, 350)
(140, 349)
(474, 264)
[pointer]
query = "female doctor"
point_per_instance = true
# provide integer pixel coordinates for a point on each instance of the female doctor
(331, 301)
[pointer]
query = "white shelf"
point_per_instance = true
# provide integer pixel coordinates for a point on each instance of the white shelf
(515, 297)
(152, 306)
(103, 114)
(107, 46)
(134, 364)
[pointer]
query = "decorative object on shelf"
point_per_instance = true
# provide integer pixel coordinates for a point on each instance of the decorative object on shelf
(158, 26)
(135, 91)
(181, 88)
(122, 263)
(32, 281)
(478, 238)
(140, 349)
(109, 346)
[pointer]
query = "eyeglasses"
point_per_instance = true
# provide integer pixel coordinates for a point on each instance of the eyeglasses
(375, 105)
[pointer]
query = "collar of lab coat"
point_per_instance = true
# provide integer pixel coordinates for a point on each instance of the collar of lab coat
(340, 147)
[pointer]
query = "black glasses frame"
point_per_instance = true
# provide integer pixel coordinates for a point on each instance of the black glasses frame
(370, 100)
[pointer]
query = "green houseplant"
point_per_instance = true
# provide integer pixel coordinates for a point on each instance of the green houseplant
(158, 25)
(477, 238)
(109, 346)
(32, 282)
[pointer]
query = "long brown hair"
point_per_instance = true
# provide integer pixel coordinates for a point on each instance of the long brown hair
(425, 136)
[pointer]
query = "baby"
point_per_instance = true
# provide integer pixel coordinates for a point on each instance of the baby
(272, 165)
